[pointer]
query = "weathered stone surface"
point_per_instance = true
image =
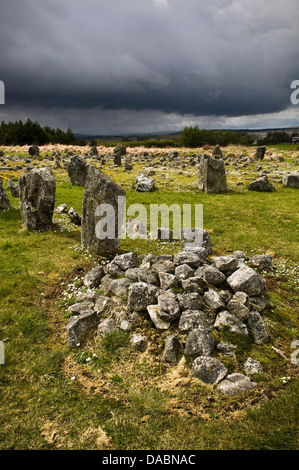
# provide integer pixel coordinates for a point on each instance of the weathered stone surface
(101, 229)
(171, 349)
(190, 301)
(262, 185)
(239, 305)
(144, 183)
(126, 261)
(291, 181)
(183, 271)
(199, 343)
(252, 367)
(208, 369)
(75, 218)
(4, 201)
(92, 278)
(193, 258)
(141, 295)
(168, 281)
(160, 324)
(139, 342)
(257, 328)
(120, 287)
(263, 262)
(233, 323)
(77, 171)
(236, 384)
(226, 348)
(102, 304)
(118, 152)
(61, 209)
(37, 198)
(225, 263)
(165, 233)
(217, 153)
(14, 188)
(80, 308)
(260, 153)
(79, 328)
(168, 306)
(191, 319)
(212, 176)
(247, 280)
(107, 326)
(211, 274)
(33, 150)
(213, 300)
(195, 284)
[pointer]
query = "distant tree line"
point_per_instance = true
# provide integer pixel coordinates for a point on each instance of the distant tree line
(277, 137)
(28, 133)
(195, 137)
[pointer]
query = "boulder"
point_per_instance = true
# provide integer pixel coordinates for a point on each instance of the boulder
(171, 349)
(208, 369)
(247, 280)
(102, 213)
(33, 150)
(79, 328)
(211, 274)
(232, 322)
(92, 278)
(168, 307)
(252, 367)
(144, 183)
(262, 185)
(199, 343)
(291, 181)
(141, 295)
(257, 328)
(160, 324)
(236, 384)
(260, 153)
(13, 188)
(37, 198)
(191, 319)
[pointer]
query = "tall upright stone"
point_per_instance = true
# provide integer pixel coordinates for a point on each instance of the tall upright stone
(217, 153)
(4, 201)
(76, 169)
(37, 198)
(260, 153)
(119, 151)
(212, 176)
(102, 213)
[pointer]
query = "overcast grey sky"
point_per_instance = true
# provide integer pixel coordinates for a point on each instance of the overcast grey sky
(126, 66)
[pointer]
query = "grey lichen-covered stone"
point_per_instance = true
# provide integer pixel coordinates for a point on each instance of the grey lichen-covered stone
(291, 181)
(126, 261)
(171, 349)
(75, 218)
(226, 348)
(212, 175)
(262, 185)
(213, 300)
(199, 343)
(77, 171)
(4, 201)
(194, 258)
(263, 262)
(13, 188)
(236, 384)
(239, 305)
(100, 233)
(252, 367)
(102, 304)
(194, 319)
(107, 326)
(120, 287)
(196, 237)
(160, 324)
(168, 281)
(168, 306)
(257, 328)
(211, 274)
(139, 342)
(80, 308)
(79, 328)
(183, 271)
(233, 323)
(141, 295)
(208, 369)
(37, 198)
(92, 278)
(225, 263)
(190, 301)
(144, 183)
(247, 280)
(195, 284)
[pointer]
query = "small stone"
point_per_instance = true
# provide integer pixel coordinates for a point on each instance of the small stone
(139, 342)
(156, 319)
(236, 384)
(93, 278)
(233, 323)
(171, 349)
(107, 326)
(208, 369)
(252, 367)
(199, 343)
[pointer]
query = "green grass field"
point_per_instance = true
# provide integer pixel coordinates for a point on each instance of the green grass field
(105, 396)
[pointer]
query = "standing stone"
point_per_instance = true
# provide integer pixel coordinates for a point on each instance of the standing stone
(13, 188)
(37, 198)
(33, 150)
(4, 201)
(217, 153)
(212, 176)
(77, 170)
(93, 151)
(260, 153)
(101, 224)
(118, 152)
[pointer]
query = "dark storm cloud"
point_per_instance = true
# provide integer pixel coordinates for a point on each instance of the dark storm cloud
(229, 57)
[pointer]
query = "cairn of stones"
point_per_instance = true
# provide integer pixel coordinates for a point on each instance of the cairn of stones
(187, 295)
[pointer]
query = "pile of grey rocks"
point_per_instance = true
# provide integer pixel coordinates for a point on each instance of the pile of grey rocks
(187, 296)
